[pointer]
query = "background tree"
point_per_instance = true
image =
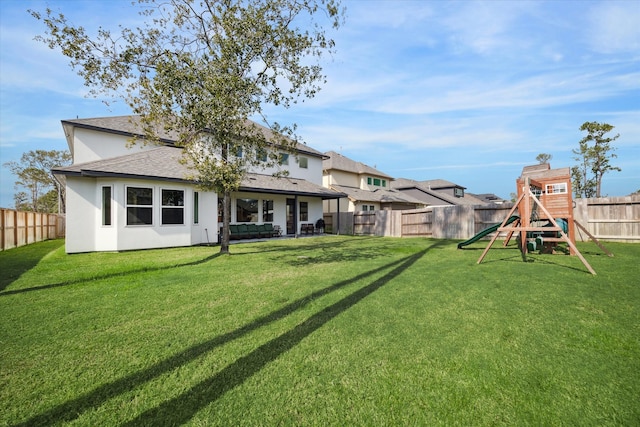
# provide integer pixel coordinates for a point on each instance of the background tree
(594, 155)
(543, 158)
(202, 69)
(34, 174)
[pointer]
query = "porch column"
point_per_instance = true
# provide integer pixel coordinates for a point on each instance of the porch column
(338, 221)
(295, 217)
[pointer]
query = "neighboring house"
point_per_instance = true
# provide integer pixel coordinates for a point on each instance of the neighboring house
(366, 188)
(436, 192)
(123, 197)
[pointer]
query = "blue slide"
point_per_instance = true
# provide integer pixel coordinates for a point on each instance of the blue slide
(486, 232)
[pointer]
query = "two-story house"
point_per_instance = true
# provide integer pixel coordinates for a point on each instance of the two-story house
(124, 197)
(365, 187)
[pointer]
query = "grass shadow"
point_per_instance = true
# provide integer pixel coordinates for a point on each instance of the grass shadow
(546, 259)
(183, 407)
(17, 261)
(109, 276)
(310, 243)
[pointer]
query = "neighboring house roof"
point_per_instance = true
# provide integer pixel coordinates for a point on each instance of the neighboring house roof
(435, 196)
(488, 198)
(437, 184)
(337, 161)
(130, 126)
(429, 184)
(378, 195)
(164, 164)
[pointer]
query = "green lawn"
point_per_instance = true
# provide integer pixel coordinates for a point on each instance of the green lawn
(319, 331)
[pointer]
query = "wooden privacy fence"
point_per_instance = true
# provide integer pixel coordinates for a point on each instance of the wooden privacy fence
(19, 228)
(608, 219)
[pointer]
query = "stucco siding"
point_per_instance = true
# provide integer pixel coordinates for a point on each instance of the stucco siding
(81, 212)
(88, 233)
(91, 145)
(343, 178)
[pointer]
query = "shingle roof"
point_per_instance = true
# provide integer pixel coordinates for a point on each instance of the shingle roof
(339, 162)
(164, 163)
(430, 184)
(157, 163)
(378, 195)
(488, 197)
(130, 126)
(285, 185)
(425, 187)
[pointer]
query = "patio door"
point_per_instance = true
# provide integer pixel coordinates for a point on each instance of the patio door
(291, 216)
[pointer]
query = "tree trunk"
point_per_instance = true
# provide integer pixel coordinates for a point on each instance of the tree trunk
(226, 220)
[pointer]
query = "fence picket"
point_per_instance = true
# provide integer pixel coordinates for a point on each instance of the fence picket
(20, 228)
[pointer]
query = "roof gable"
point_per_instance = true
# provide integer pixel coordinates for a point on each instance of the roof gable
(337, 161)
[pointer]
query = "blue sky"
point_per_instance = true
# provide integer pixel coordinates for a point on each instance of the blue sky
(464, 91)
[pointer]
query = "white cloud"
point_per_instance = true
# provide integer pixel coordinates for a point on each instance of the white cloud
(614, 27)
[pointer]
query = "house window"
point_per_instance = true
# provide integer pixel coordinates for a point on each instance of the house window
(247, 210)
(261, 154)
(196, 207)
(267, 211)
(304, 211)
(557, 188)
(458, 192)
(365, 207)
(284, 158)
(376, 182)
(303, 162)
(106, 205)
(139, 206)
(172, 207)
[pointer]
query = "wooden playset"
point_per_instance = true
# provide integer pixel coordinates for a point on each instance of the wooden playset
(545, 208)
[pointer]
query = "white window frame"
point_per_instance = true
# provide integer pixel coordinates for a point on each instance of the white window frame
(196, 208)
(303, 214)
(102, 207)
(173, 207)
(149, 206)
(556, 188)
